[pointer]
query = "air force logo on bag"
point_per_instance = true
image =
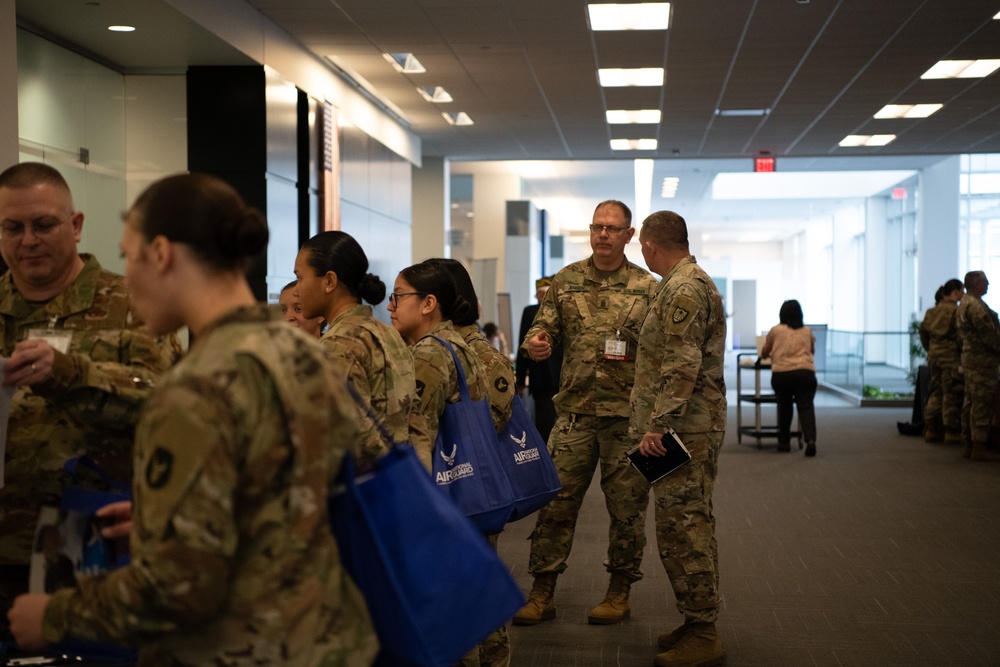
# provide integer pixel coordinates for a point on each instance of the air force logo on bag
(455, 472)
(527, 455)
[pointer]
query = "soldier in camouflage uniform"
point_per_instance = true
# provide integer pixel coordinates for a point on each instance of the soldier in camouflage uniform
(980, 332)
(594, 310)
(81, 362)
(494, 651)
(939, 336)
(333, 279)
(679, 384)
(232, 558)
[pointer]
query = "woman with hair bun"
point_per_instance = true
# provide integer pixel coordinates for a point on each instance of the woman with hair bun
(333, 279)
(423, 302)
(232, 558)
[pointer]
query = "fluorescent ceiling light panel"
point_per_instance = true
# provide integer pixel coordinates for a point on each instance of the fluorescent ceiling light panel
(907, 110)
(961, 69)
(741, 112)
(806, 184)
(533, 168)
(460, 118)
(404, 62)
(867, 140)
(643, 170)
(639, 16)
(669, 190)
(633, 144)
(641, 116)
(121, 28)
(435, 94)
(640, 76)
(997, 17)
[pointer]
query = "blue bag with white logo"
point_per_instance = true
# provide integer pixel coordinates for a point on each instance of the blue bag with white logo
(468, 465)
(532, 473)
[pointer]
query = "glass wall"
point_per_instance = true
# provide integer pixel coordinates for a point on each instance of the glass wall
(979, 218)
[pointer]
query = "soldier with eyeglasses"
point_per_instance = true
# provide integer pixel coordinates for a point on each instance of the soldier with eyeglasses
(79, 363)
(594, 310)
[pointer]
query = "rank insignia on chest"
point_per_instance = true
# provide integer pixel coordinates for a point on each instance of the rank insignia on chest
(679, 315)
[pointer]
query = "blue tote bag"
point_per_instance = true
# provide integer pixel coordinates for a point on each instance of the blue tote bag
(533, 475)
(468, 464)
(433, 586)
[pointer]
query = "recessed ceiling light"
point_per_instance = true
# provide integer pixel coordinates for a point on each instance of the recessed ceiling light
(742, 112)
(404, 62)
(961, 69)
(642, 116)
(435, 94)
(460, 118)
(907, 110)
(640, 76)
(633, 144)
(867, 140)
(997, 17)
(121, 28)
(639, 16)
(670, 184)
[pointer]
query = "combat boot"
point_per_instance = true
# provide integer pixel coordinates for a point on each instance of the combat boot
(541, 605)
(614, 608)
(933, 434)
(952, 437)
(700, 646)
(667, 640)
(982, 452)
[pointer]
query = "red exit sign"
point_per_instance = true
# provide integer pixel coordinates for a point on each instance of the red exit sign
(763, 164)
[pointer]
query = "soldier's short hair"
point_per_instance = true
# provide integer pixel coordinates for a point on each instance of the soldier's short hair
(665, 229)
(29, 174)
(974, 278)
(626, 211)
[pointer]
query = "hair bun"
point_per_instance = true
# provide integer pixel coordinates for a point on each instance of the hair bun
(371, 289)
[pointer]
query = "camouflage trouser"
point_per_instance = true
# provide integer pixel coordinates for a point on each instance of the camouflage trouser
(944, 402)
(577, 443)
(494, 651)
(685, 528)
(977, 409)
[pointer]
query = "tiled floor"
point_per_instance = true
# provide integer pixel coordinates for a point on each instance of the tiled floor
(881, 551)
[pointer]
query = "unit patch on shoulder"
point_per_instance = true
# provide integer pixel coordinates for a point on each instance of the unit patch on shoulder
(680, 314)
(501, 384)
(159, 468)
(420, 388)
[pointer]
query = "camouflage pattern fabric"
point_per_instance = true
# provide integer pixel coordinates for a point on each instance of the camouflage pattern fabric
(980, 331)
(940, 337)
(88, 405)
(685, 529)
(379, 366)
(581, 311)
(233, 562)
(437, 383)
(577, 444)
(679, 384)
(500, 380)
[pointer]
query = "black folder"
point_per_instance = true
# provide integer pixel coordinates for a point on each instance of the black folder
(654, 468)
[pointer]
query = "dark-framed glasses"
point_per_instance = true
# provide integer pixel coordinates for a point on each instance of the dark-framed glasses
(609, 229)
(396, 296)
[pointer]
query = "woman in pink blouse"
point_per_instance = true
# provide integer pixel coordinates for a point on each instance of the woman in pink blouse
(790, 346)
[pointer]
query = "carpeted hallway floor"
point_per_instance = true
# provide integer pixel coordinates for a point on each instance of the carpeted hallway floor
(881, 551)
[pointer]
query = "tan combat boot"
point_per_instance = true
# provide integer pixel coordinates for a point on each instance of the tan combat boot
(615, 608)
(540, 606)
(982, 452)
(933, 433)
(700, 646)
(952, 437)
(668, 640)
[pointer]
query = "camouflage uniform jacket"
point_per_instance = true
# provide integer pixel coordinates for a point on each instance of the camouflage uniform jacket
(89, 404)
(939, 334)
(380, 367)
(679, 380)
(581, 312)
(500, 378)
(232, 558)
(437, 381)
(980, 331)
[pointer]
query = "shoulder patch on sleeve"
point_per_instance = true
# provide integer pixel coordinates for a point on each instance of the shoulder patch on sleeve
(501, 384)
(160, 468)
(679, 315)
(420, 388)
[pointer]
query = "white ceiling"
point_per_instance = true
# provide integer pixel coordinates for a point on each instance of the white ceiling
(525, 71)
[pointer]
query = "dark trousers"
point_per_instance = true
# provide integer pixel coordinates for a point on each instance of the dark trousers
(545, 413)
(798, 387)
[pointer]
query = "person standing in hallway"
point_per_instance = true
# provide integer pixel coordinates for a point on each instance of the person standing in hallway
(540, 377)
(979, 329)
(594, 310)
(679, 385)
(291, 311)
(939, 336)
(791, 345)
